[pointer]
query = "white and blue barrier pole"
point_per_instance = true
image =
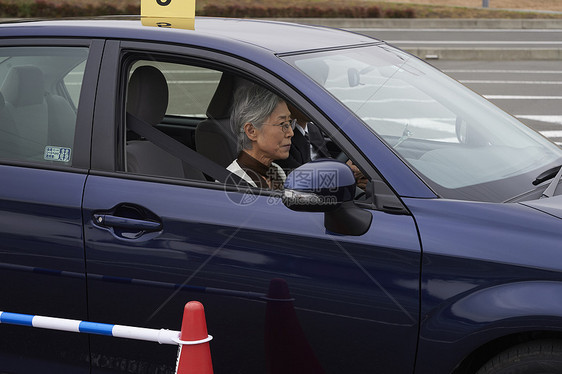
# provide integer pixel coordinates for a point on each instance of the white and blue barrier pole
(194, 355)
(161, 336)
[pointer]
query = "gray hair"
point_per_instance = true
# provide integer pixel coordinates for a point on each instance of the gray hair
(253, 104)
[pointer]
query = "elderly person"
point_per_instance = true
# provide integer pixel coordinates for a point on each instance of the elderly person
(307, 144)
(263, 126)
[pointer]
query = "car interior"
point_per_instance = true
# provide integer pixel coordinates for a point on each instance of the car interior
(39, 93)
(149, 96)
(38, 112)
(36, 118)
(148, 100)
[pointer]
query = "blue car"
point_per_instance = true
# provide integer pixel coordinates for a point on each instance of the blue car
(116, 206)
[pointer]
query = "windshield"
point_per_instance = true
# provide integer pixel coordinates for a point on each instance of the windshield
(463, 146)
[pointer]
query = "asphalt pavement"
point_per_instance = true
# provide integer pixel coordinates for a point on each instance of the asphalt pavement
(529, 90)
(474, 44)
(516, 64)
(461, 39)
(517, 69)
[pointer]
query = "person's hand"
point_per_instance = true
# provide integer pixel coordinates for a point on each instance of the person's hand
(360, 179)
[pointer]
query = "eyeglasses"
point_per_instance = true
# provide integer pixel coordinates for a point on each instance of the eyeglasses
(285, 125)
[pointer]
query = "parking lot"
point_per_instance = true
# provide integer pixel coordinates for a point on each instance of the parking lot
(513, 65)
(529, 90)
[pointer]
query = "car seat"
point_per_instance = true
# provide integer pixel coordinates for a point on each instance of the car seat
(213, 137)
(40, 118)
(147, 99)
(9, 145)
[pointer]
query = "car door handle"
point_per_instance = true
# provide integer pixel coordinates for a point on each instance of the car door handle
(109, 220)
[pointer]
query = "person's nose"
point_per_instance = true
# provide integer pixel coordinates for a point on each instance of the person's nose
(289, 133)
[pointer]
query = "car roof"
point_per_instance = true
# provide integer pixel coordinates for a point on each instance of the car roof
(277, 37)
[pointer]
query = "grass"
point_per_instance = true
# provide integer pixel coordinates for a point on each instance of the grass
(421, 8)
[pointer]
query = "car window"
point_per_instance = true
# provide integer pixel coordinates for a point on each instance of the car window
(190, 87)
(39, 92)
(193, 106)
(73, 82)
(173, 98)
(462, 145)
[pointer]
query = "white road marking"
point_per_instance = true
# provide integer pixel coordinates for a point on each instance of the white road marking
(477, 81)
(475, 42)
(552, 133)
(542, 118)
(497, 71)
(521, 97)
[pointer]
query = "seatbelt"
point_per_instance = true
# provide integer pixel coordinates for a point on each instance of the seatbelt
(181, 151)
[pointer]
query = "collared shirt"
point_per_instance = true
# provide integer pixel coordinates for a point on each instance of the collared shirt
(304, 132)
(259, 173)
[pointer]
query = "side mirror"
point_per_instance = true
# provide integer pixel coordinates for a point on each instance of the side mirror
(327, 186)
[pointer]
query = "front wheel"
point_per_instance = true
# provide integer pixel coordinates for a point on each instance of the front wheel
(536, 357)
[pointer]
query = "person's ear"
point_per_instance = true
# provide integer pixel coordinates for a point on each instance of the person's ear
(251, 131)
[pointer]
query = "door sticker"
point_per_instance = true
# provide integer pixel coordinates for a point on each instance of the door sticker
(54, 153)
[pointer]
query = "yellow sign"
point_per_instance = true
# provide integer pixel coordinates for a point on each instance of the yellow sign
(168, 13)
(170, 22)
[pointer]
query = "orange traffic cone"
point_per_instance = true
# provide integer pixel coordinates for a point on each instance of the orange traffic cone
(287, 349)
(194, 355)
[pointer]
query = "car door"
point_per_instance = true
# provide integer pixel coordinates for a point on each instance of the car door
(45, 125)
(279, 290)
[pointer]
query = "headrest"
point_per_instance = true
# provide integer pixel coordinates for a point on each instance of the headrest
(147, 96)
(24, 86)
(221, 103)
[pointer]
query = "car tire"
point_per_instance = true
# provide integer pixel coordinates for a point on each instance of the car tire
(536, 357)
